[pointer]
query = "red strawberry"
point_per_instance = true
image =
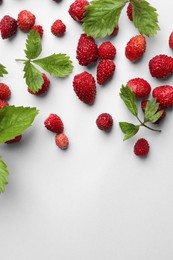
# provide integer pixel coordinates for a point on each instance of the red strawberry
(54, 123)
(143, 106)
(77, 9)
(161, 66)
(171, 40)
(141, 147)
(39, 29)
(135, 48)
(87, 51)
(8, 26)
(115, 31)
(25, 20)
(58, 28)
(5, 91)
(62, 141)
(104, 121)
(140, 87)
(130, 12)
(107, 51)
(14, 140)
(164, 95)
(3, 103)
(105, 71)
(85, 87)
(44, 88)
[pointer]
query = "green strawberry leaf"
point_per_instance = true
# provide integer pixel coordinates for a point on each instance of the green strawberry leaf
(150, 110)
(101, 17)
(128, 129)
(3, 175)
(145, 17)
(33, 76)
(2, 70)
(33, 45)
(156, 116)
(15, 120)
(129, 99)
(58, 65)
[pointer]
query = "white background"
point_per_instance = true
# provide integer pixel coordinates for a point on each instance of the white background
(97, 200)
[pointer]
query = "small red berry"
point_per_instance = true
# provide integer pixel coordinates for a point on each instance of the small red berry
(25, 20)
(5, 91)
(3, 103)
(130, 12)
(58, 28)
(164, 95)
(161, 66)
(77, 9)
(39, 29)
(141, 147)
(44, 88)
(14, 140)
(140, 87)
(171, 40)
(135, 48)
(104, 122)
(8, 26)
(62, 141)
(105, 71)
(54, 123)
(115, 31)
(107, 51)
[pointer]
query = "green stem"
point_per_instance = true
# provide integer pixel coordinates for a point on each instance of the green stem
(146, 126)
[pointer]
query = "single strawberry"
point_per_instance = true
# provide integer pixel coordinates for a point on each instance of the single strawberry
(143, 106)
(135, 48)
(161, 66)
(171, 40)
(54, 123)
(58, 28)
(104, 122)
(39, 29)
(5, 91)
(141, 147)
(107, 51)
(105, 71)
(84, 86)
(14, 140)
(164, 95)
(25, 20)
(130, 12)
(115, 31)
(77, 9)
(8, 26)
(87, 51)
(3, 103)
(140, 87)
(44, 88)
(62, 141)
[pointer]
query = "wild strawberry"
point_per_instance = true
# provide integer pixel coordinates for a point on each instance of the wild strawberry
(140, 87)
(164, 95)
(107, 51)
(105, 71)
(115, 31)
(104, 121)
(87, 51)
(54, 123)
(44, 88)
(5, 91)
(14, 140)
(130, 12)
(171, 40)
(141, 147)
(3, 103)
(85, 87)
(135, 48)
(25, 20)
(8, 26)
(161, 66)
(143, 106)
(62, 141)
(77, 9)
(39, 29)
(58, 28)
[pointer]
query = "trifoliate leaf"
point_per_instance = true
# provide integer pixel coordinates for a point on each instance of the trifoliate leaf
(101, 17)
(3, 175)
(145, 17)
(33, 76)
(129, 99)
(2, 70)
(150, 110)
(128, 129)
(58, 65)
(15, 120)
(33, 45)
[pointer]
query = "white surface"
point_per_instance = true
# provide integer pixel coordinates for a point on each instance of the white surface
(95, 201)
